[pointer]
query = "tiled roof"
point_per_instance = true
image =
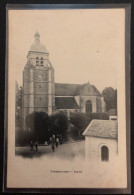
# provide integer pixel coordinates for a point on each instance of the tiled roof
(95, 90)
(102, 128)
(66, 103)
(63, 89)
(112, 112)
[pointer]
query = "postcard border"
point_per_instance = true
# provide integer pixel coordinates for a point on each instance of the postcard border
(127, 81)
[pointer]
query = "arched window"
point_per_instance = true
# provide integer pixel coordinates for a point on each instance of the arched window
(104, 153)
(37, 61)
(41, 61)
(88, 106)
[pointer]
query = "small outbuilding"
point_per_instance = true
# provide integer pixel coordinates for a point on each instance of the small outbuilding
(112, 114)
(101, 140)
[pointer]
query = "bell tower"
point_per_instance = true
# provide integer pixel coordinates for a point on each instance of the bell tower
(38, 81)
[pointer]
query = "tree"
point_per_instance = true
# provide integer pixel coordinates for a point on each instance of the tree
(80, 121)
(38, 123)
(110, 97)
(22, 138)
(59, 124)
(18, 106)
(115, 98)
(18, 95)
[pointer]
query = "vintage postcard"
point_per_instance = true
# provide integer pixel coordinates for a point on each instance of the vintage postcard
(66, 112)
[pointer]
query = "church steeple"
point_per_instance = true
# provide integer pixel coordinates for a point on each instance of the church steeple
(37, 37)
(37, 47)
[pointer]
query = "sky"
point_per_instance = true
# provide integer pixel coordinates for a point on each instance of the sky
(84, 45)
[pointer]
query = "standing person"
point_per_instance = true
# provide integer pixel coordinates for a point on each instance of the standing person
(54, 137)
(53, 148)
(60, 139)
(50, 139)
(36, 146)
(57, 142)
(31, 144)
(57, 135)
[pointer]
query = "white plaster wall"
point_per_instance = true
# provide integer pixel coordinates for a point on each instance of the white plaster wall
(112, 117)
(93, 147)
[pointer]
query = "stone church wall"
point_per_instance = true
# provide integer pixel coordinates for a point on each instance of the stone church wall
(40, 75)
(83, 100)
(26, 100)
(103, 105)
(41, 88)
(41, 100)
(31, 56)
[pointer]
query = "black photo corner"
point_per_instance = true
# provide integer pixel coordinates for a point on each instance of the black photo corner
(3, 4)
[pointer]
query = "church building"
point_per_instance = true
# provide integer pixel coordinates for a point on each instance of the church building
(41, 93)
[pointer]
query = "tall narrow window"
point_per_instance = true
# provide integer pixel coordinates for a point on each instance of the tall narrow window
(40, 88)
(37, 61)
(40, 102)
(88, 106)
(41, 61)
(104, 153)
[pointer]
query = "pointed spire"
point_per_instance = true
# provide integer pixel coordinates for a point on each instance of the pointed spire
(37, 37)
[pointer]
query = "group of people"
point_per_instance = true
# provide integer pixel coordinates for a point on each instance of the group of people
(55, 140)
(32, 144)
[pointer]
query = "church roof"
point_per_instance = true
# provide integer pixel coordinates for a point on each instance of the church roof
(37, 46)
(66, 103)
(102, 128)
(63, 89)
(95, 90)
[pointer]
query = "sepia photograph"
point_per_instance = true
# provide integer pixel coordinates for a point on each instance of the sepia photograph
(49, 113)
(66, 98)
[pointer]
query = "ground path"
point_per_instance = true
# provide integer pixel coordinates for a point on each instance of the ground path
(67, 150)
